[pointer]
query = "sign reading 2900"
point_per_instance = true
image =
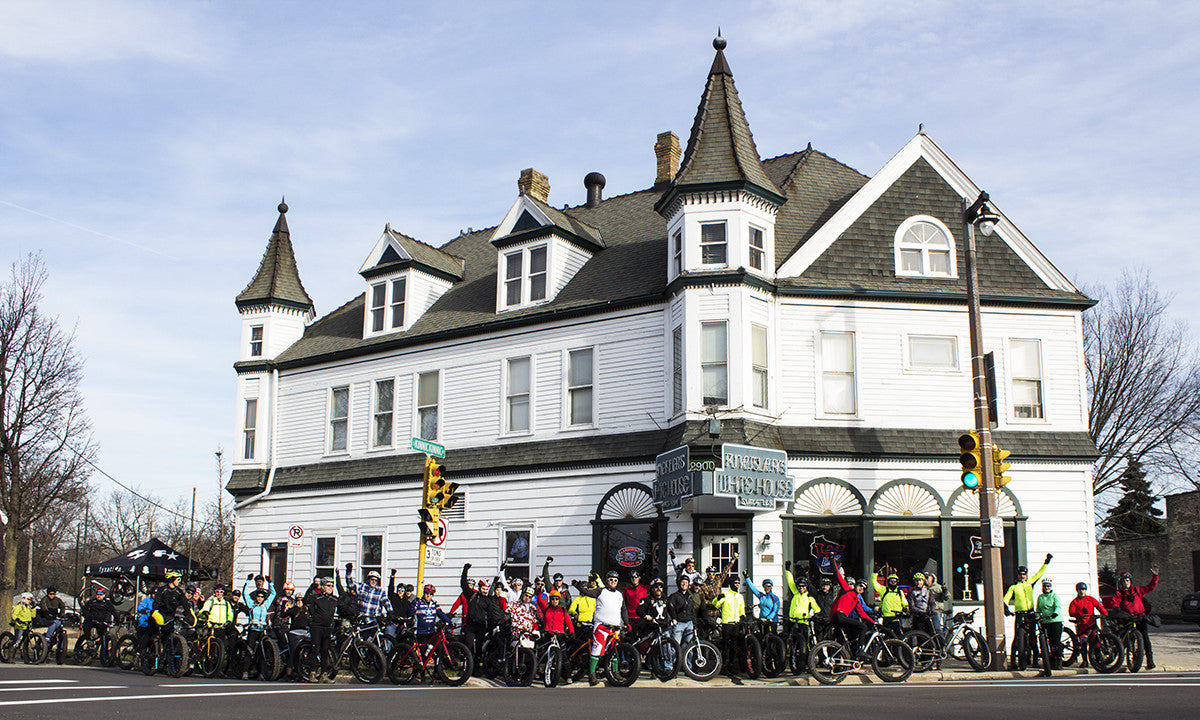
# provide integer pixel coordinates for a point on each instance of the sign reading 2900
(756, 478)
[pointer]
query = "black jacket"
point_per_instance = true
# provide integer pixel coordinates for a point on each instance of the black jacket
(321, 609)
(680, 606)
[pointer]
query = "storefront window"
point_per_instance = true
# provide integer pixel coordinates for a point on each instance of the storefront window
(815, 544)
(907, 547)
(629, 546)
(967, 556)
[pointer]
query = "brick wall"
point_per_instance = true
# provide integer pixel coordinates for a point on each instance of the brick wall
(1176, 553)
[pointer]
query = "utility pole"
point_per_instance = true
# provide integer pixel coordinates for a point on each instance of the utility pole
(191, 532)
(991, 528)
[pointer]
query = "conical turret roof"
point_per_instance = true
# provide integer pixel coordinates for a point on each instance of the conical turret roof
(278, 279)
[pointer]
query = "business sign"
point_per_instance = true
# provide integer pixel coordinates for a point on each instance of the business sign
(630, 556)
(756, 478)
(672, 479)
(827, 552)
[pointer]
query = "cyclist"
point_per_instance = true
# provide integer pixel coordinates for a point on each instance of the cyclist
(1129, 602)
(850, 611)
(556, 583)
(168, 601)
(769, 603)
(219, 612)
(556, 619)
(610, 615)
(50, 612)
(261, 602)
(920, 603)
(322, 607)
(427, 612)
(145, 624)
(483, 611)
(372, 599)
(635, 594)
(682, 610)
(937, 601)
(892, 603)
(803, 607)
(1020, 593)
(22, 616)
(1050, 615)
(99, 614)
(523, 615)
(1083, 609)
(688, 569)
(583, 609)
(653, 610)
(732, 606)
(541, 597)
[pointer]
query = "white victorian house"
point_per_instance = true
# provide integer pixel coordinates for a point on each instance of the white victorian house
(790, 304)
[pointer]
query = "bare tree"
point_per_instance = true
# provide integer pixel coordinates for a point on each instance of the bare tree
(1143, 379)
(126, 519)
(45, 438)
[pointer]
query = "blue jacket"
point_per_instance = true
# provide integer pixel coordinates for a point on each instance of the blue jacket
(427, 613)
(768, 603)
(258, 613)
(144, 608)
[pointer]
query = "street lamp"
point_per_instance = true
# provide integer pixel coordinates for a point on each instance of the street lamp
(981, 216)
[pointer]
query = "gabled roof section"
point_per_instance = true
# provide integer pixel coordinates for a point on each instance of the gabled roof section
(278, 279)
(721, 151)
(920, 148)
(396, 251)
(816, 186)
(529, 217)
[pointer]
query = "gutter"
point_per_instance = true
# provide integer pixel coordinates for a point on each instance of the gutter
(274, 390)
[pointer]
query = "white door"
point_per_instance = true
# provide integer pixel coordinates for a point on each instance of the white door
(718, 551)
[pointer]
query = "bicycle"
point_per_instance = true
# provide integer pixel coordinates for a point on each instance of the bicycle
(1131, 640)
(1102, 648)
(451, 660)
(363, 657)
(31, 646)
(700, 659)
(774, 649)
(892, 660)
(520, 663)
(549, 653)
(957, 639)
(207, 651)
(798, 643)
(1030, 647)
(166, 651)
(743, 650)
(97, 642)
(619, 662)
(660, 653)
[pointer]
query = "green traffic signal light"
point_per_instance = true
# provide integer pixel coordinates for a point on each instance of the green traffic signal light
(971, 460)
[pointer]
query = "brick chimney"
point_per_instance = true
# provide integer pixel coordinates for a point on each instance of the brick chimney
(534, 184)
(666, 152)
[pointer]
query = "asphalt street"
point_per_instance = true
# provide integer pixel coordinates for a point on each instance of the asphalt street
(73, 693)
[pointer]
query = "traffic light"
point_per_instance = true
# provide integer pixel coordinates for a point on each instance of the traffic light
(431, 529)
(999, 466)
(443, 494)
(430, 512)
(971, 460)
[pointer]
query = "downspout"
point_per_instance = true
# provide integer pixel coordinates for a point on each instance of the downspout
(273, 388)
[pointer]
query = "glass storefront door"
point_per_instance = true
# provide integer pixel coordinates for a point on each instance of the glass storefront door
(719, 551)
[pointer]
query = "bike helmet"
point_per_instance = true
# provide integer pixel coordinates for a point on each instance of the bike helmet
(611, 574)
(1125, 576)
(657, 582)
(826, 580)
(801, 582)
(100, 592)
(26, 596)
(51, 590)
(555, 594)
(429, 589)
(768, 583)
(374, 574)
(173, 575)
(1047, 582)
(482, 586)
(918, 576)
(289, 585)
(219, 588)
(894, 576)
(1022, 570)
(1081, 586)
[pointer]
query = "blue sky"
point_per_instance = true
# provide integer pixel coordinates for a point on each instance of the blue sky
(145, 145)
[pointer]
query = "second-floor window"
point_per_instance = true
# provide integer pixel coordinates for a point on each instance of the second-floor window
(677, 369)
(713, 244)
(384, 412)
(248, 432)
(929, 352)
(758, 251)
(580, 386)
(1026, 360)
(838, 394)
(517, 395)
(339, 416)
(378, 306)
(256, 340)
(758, 363)
(714, 362)
(427, 404)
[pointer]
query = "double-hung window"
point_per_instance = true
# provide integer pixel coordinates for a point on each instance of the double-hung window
(339, 416)
(384, 412)
(248, 429)
(371, 555)
(838, 394)
(537, 273)
(714, 362)
(399, 285)
(326, 560)
(516, 400)
(758, 364)
(713, 244)
(427, 404)
(378, 305)
(677, 252)
(256, 340)
(758, 250)
(677, 369)
(580, 386)
(515, 264)
(1026, 360)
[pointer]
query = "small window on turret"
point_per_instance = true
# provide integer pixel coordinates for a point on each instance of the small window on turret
(256, 340)
(712, 244)
(758, 253)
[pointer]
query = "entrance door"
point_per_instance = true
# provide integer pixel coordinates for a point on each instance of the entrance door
(277, 566)
(718, 551)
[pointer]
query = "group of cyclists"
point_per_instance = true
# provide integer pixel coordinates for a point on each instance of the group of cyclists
(595, 627)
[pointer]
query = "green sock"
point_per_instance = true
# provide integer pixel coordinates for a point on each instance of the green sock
(593, 661)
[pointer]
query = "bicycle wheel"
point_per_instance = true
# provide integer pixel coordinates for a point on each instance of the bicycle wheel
(270, 664)
(798, 652)
(978, 654)
(925, 652)
(829, 662)
(491, 662)
(701, 660)
(306, 658)
(8, 643)
(106, 649)
(211, 658)
(175, 656)
(551, 667)
(367, 663)
(148, 657)
(752, 655)
(454, 663)
(60, 647)
(1043, 644)
(1069, 647)
(35, 649)
(893, 661)
(664, 659)
(85, 650)
(1019, 655)
(774, 654)
(519, 667)
(1134, 653)
(622, 664)
(126, 652)
(1106, 652)
(404, 664)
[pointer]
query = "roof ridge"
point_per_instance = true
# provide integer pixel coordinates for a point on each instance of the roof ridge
(422, 242)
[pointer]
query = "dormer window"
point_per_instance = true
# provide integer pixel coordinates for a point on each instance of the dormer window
(758, 250)
(378, 303)
(399, 286)
(522, 287)
(387, 295)
(924, 248)
(713, 244)
(396, 264)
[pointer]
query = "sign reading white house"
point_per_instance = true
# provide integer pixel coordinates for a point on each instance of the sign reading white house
(672, 479)
(756, 478)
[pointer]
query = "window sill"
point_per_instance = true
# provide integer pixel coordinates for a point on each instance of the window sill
(336, 454)
(846, 418)
(928, 276)
(579, 428)
(517, 434)
(381, 449)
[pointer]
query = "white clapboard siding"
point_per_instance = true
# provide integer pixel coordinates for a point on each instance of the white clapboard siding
(471, 401)
(567, 259)
(547, 390)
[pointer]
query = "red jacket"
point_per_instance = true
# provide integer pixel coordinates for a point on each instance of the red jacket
(460, 602)
(557, 620)
(849, 601)
(634, 595)
(1131, 600)
(1083, 611)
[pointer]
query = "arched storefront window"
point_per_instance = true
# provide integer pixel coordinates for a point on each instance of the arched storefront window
(629, 533)
(966, 543)
(827, 527)
(907, 529)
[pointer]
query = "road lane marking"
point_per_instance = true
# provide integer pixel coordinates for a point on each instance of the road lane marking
(30, 682)
(168, 696)
(58, 688)
(217, 684)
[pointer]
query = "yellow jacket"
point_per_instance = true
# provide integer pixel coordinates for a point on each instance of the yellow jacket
(583, 608)
(732, 606)
(1020, 594)
(22, 616)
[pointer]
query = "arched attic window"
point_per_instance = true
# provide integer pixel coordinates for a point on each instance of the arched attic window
(925, 248)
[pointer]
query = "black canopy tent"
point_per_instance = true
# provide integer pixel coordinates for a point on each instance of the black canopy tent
(149, 561)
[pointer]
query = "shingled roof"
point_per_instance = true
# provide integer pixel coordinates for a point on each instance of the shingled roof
(421, 254)
(277, 280)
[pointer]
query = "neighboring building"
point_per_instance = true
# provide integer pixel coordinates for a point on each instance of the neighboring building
(1176, 553)
(791, 304)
